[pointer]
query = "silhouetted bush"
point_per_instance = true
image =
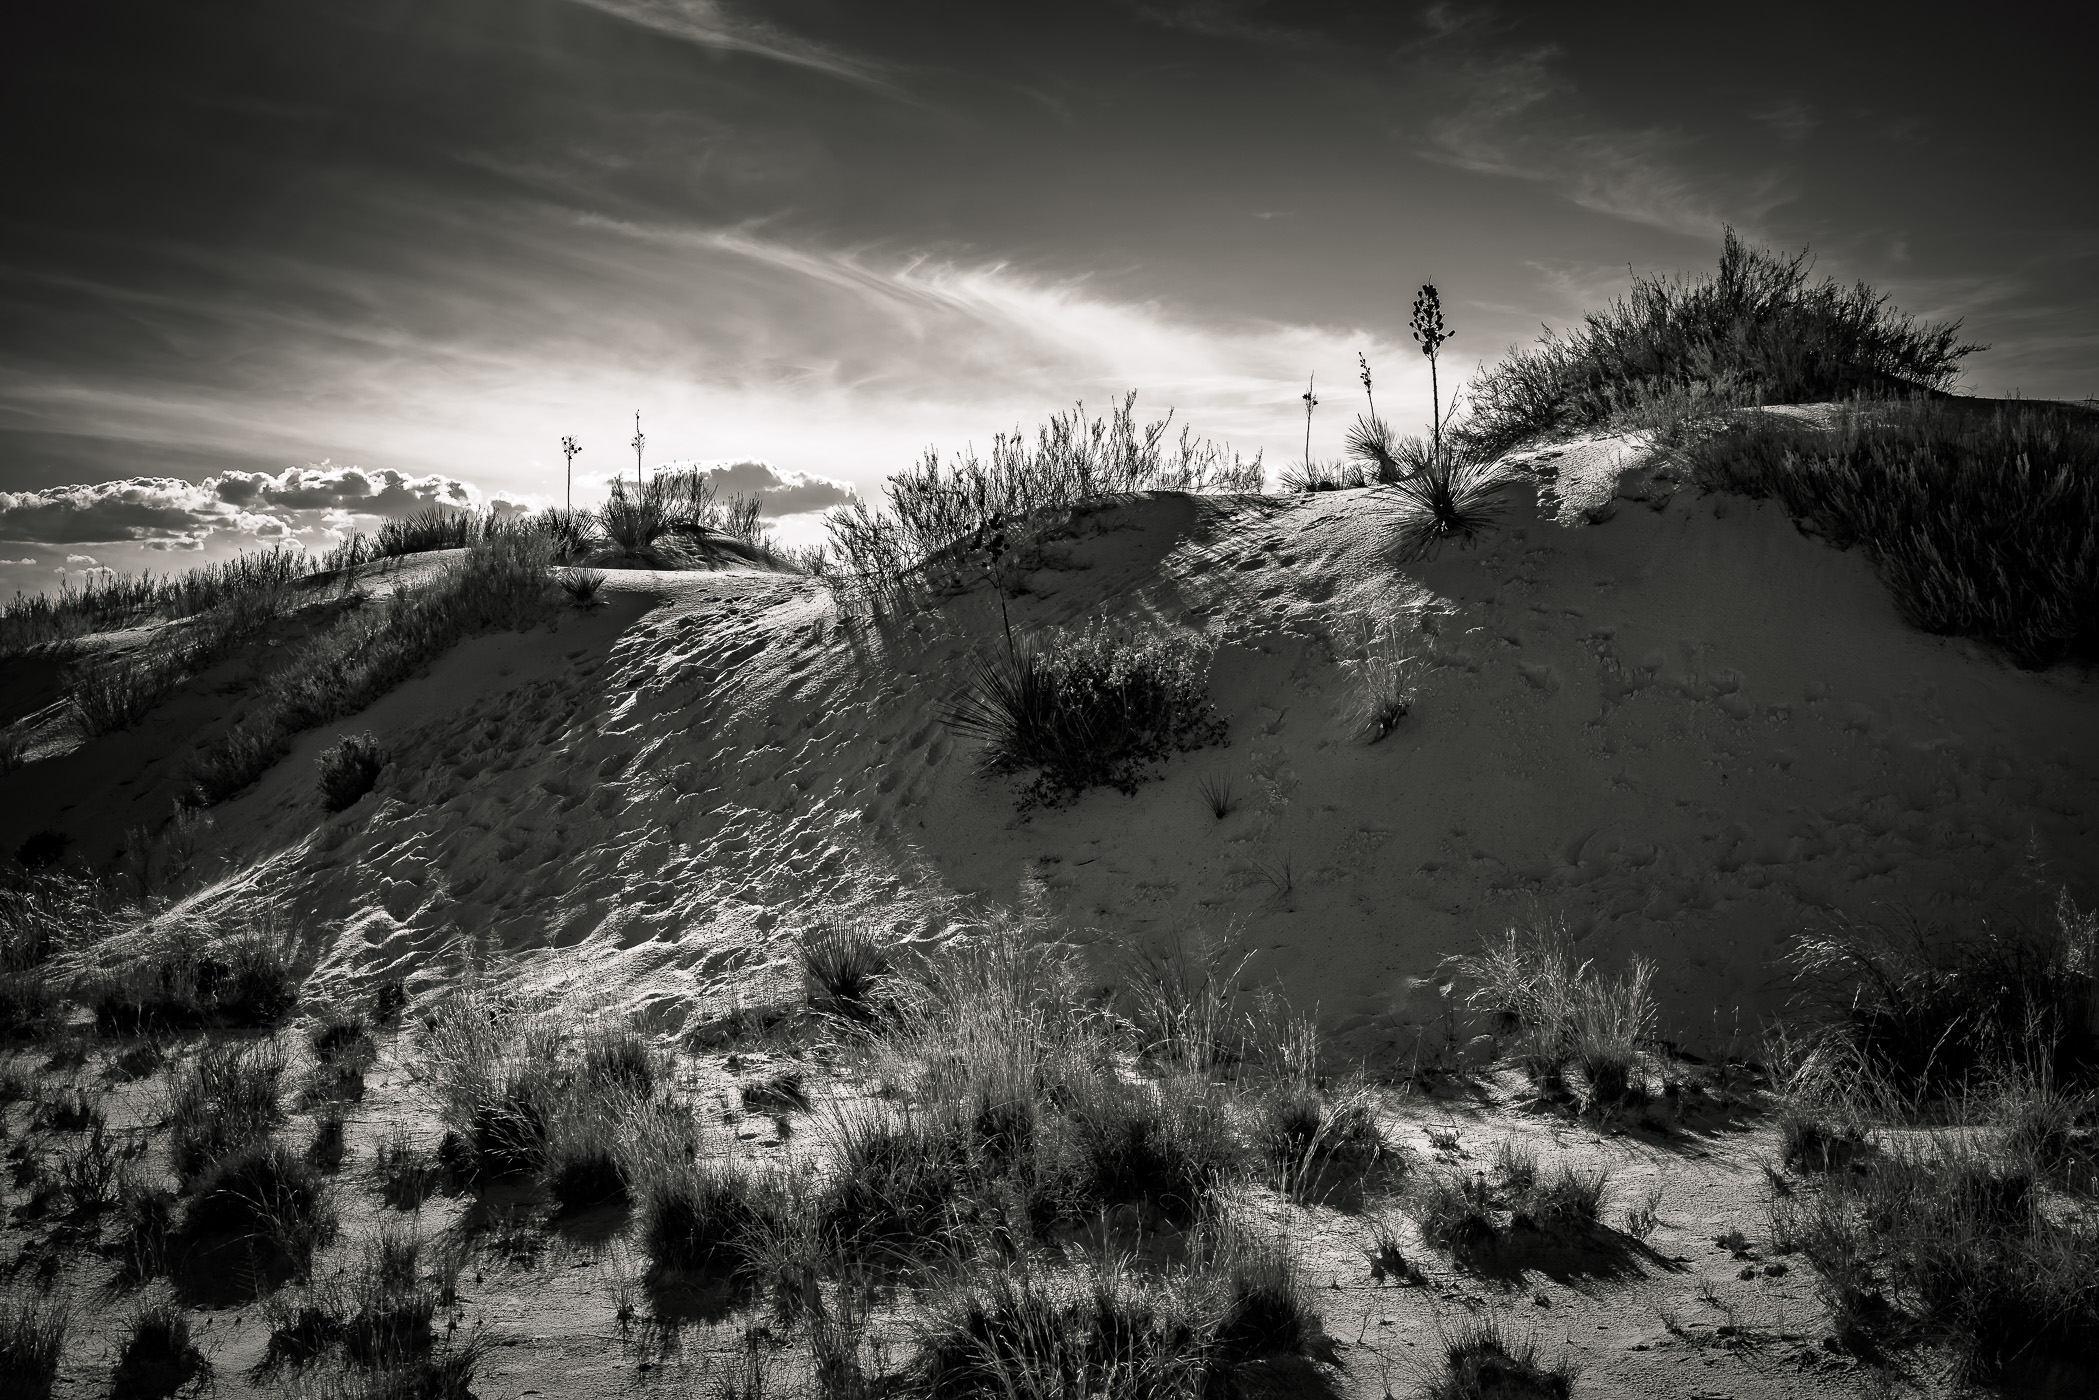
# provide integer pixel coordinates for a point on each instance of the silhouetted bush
(1758, 331)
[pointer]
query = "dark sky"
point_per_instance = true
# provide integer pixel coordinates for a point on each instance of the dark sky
(246, 248)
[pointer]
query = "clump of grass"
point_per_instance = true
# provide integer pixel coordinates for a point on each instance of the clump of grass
(407, 1175)
(1472, 1216)
(266, 1200)
(1483, 1360)
(88, 1175)
(1090, 707)
(1938, 1237)
(1760, 330)
(33, 1328)
(621, 1061)
(1317, 1142)
(190, 978)
(845, 963)
(1112, 1332)
(1217, 794)
(106, 602)
(1312, 477)
(1932, 1015)
(1168, 1146)
(348, 769)
(1564, 1015)
(503, 582)
(711, 1218)
(160, 1354)
(586, 1159)
(1978, 517)
(783, 1091)
(1383, 689)
(1811, 1141)
(372, 1317)
(146, 1222)
(223, 1103)
(581, 585)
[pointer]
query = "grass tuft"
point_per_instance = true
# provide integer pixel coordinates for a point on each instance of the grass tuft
(1091, 707)
(1483, 1360)
(160, 1355)
(348, 769)
(33, 1328)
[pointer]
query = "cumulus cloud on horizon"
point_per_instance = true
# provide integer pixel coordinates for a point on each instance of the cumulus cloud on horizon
(169, 513)
(779, 493)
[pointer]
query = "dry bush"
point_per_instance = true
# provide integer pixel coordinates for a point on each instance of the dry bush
(181, 975)
(348, 769)
(1091, 707)
(1564, 1015)
(1983, 520)
(881, 557)
(1759, 331)
(1483, 1359)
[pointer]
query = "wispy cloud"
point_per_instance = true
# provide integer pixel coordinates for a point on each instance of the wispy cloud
(710, 24)
(1510, 111)
(1791, 117)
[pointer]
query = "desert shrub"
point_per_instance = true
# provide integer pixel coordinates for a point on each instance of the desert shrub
(844, 963)
(1932, 1014)
(1471, 1216)
(116, 695)
(1452, 497)
(897, 1187)
(1315, 1141)
(1168, 1145)
(1564, 1202)
(1982, 520)
(1760, 330)
(880, 554)
(42, 850)
(585, 1151)
(571, 533)
(33, 1329)
(1811, 1141)
(160, 1356)
(188, 979)
(1090, 707)
(1309, 478)
(1565, 1015)
(265, 1199)
(1482, 1360)
(503, 582)
(348, 769)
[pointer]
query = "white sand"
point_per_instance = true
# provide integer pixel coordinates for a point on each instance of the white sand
(1675, 721)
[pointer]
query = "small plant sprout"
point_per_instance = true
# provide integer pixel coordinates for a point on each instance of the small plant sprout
(1427, 325)
(1217, 794)
(569, 448)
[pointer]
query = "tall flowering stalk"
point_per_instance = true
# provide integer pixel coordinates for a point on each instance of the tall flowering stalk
(1311, 402)
(1427, 323)
(569, 449)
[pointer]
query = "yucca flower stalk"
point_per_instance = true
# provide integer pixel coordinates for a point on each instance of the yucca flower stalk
(1427, 324)
(1311, 402)
(638, 443)
(569, 449)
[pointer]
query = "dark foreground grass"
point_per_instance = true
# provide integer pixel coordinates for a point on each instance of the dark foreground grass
(1485, 1360)
(1091, 707)
(191, 979)
(348, 769)
(502, 583)
(1759, 330)
(33, 1328)
(160, 1356)
(1982, 519)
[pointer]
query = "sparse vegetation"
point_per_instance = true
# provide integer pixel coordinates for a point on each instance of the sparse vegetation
(1483, 1360)
(1564, 1015)
(844, 963)
(183, 975)
(225, 1102)
(1978, 517)
(33, 1327)
(1091, 707)
(265, 1201)
(1759, 331)
(884, 557)
(503, 583)
(348, 769)
(107, 601)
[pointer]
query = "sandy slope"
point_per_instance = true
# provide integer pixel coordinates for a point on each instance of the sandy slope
(1676, 721)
